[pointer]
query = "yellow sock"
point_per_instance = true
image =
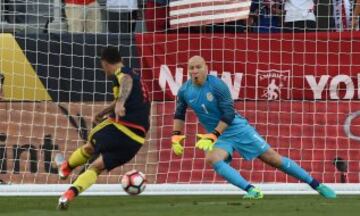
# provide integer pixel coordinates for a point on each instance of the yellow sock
(78, 157)
(85, 180)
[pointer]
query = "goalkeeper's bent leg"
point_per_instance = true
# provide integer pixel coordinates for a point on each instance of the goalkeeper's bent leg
(293, 169)
(290, 167)
(231, 175)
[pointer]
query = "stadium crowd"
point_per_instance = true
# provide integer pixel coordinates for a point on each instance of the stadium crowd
(127, 16)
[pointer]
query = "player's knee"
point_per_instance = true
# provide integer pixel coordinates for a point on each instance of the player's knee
(89, 149)
(275, 162)
(216, 155)
(272, 158)
(212, 158)
(209, 160)
(97, 166)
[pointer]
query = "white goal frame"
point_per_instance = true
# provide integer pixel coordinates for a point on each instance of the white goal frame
(174, 189)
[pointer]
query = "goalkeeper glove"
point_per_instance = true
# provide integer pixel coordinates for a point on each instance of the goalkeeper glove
(176, 143)
(206, 141)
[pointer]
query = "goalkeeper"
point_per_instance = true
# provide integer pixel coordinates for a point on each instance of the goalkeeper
(120, 130)
(228, 131)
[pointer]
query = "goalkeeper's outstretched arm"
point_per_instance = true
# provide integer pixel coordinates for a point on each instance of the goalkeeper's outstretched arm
(180, 112)
(179, 125)
(177, 137)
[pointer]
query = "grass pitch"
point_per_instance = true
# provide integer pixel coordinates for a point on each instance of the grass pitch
(304, 205)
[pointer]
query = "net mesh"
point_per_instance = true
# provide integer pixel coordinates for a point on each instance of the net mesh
(300, 91)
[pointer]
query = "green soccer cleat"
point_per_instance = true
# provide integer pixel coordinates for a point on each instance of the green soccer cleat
(326, 192)
(254, 193)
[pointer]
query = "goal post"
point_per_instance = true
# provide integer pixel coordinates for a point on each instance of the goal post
(173, 189)
(300, 91)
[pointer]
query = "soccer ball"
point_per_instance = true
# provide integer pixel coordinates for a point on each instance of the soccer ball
(133, 182)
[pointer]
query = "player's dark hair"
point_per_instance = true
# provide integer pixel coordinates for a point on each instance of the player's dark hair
(111, 55)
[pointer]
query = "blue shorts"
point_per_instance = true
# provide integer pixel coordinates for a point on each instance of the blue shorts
(247, 142)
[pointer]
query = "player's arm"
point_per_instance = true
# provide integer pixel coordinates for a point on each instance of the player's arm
(179, 124)
(125, 84)
(206, 141)
(180, 112)
(99, 117)
(221, 127)
(125, 87)
(226, 105)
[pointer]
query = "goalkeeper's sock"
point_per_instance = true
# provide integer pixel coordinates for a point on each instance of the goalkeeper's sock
(78, 158)
(231, 175)
(314, 184)
(290, 167)
(85, 180)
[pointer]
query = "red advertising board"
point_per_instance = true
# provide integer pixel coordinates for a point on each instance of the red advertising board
(300, 91)
(258, 66)
(313, 134)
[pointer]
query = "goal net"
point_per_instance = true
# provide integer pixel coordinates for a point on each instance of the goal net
(299, 90)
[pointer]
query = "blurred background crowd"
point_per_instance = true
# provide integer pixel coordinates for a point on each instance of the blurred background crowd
(128, 16)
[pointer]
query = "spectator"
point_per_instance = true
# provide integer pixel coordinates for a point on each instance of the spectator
(15, 11)
(342, 17)
(156, 15)
(121, 15)
(266, 16)
(2, 79)
(83, 16)
(356, 14)
(299, 16)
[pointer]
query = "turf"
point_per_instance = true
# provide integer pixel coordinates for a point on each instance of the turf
(183, 206)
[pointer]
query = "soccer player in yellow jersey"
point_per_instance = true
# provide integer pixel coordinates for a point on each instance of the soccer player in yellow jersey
(117, 138)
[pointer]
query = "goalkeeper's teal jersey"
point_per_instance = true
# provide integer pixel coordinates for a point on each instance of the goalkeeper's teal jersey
(211, 102)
